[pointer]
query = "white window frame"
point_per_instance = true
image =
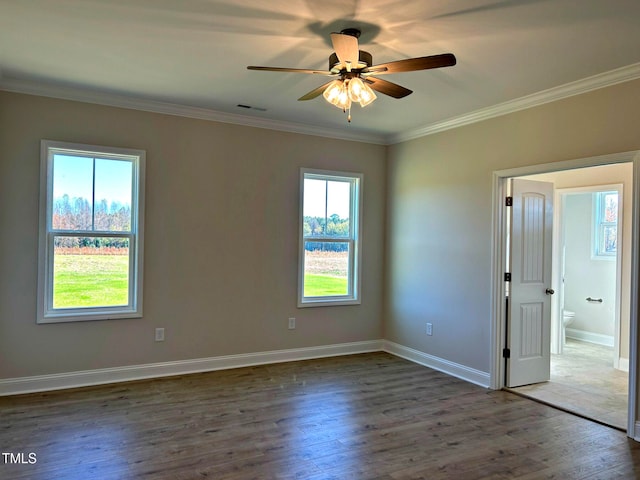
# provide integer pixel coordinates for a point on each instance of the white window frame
(354, 240)
(45, 311)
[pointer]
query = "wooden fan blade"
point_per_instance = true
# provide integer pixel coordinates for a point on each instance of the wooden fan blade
(346, 48)
(291, 70)
(413, 64)
(377, 70)
(388, 88)
(315, 92)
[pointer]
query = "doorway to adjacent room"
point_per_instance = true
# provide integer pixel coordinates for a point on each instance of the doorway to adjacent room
(588, 370)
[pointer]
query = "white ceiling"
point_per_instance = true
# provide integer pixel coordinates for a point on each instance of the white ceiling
(194, 53)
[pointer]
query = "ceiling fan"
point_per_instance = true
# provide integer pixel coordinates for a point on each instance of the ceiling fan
(355, 78)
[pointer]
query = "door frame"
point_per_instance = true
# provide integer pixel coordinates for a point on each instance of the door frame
(498, 255)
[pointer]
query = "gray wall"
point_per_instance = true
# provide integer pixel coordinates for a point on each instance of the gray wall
(221, 239)
(585, 276)
(438, 265)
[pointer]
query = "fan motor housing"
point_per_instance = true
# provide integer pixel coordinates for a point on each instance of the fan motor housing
(364, 57)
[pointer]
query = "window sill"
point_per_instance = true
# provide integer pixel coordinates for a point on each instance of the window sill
(324, 302)
(86, 317)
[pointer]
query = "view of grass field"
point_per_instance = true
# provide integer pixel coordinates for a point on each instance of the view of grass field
(324, 285)
(90, 280)
(325, 273)
(93, 270)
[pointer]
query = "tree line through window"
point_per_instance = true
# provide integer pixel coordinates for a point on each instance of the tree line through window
(332, 226)
(78, 214)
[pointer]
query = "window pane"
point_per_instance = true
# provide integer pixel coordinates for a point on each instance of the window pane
(326, 269)
(338, 207)
(90, 272)
(609, 240)
(610, 207)
(72, 192)
(113, 195)
(315, 197)
(314, 207)
(605, 244)
(326, 208)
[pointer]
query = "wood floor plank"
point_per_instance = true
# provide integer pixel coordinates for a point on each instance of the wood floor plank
(370, 417)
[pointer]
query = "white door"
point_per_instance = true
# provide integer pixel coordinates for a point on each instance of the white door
(529, 311)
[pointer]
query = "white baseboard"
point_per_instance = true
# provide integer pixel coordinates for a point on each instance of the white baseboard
(40, 383)
(450, 368)
(59, 381)
(584, 336)
(623, 364)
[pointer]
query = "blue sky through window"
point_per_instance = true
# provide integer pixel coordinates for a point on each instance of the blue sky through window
(73, 176)
(316, 203)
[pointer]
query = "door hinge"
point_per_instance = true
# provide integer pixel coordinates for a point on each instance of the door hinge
(507, 277)
(508, 201)
(506, 353)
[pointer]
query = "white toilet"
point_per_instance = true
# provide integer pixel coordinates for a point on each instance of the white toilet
(567, 318)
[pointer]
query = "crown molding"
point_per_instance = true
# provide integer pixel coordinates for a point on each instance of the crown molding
(602, 80)
(606, 79)
(167, 108)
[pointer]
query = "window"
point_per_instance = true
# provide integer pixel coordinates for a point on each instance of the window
(330, 238)
(91, 236)
(606, 224)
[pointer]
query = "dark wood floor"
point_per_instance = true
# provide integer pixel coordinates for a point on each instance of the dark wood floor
(371, 416)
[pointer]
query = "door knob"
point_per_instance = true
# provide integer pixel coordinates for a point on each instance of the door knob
(549, 291)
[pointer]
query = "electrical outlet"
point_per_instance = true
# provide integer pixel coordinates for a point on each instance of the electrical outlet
(429, 328)
(292, 323)
(159, 334)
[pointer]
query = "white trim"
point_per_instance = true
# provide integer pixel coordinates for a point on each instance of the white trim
(633, 313)
(58, 381)
(595, 82)
(590, 337)
(602, 80)
(450, 368)
(498, 289)
(623, 364)
(557, 284)
(636, 428)
(200, 113)
(102, 376)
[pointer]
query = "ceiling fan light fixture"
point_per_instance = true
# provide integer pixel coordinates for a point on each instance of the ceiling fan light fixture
(344, 102)
(360, 92)
(354, 72)
(332, 92)
(367, 96)
(355, 87)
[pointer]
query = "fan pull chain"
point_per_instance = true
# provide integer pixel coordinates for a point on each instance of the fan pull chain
(349, 114)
